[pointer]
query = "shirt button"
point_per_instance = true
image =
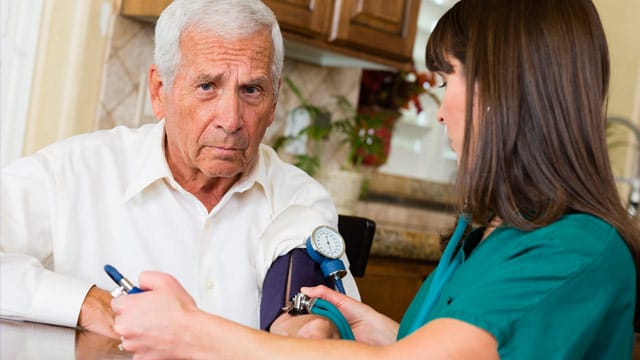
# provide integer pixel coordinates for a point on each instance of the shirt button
(209, 285)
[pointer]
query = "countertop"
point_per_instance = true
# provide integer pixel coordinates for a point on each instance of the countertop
(410, 215)
(412, 191)
(28, 340)
(406, 244)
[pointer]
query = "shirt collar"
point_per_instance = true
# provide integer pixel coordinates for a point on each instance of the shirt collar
(257, 173)
(151, 165)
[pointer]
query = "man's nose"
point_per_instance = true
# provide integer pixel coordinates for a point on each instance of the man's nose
(229, 112)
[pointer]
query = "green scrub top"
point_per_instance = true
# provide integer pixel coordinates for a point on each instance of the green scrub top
(564, 291)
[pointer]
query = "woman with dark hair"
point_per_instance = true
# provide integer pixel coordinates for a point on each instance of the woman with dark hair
(548, 270)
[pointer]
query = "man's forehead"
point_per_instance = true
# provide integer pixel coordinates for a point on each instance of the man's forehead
(254, 52)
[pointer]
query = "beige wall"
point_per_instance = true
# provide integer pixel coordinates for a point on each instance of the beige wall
(621, 19)
(66, 81)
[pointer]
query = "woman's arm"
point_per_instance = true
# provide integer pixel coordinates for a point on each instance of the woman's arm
(164, 322)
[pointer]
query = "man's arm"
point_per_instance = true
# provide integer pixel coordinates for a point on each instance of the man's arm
(307, 326)
(31, 291)
(285, 277)
(96, 314)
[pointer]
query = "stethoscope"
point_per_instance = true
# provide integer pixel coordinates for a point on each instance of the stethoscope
(325, 246)
(303, 304)
(444, 271)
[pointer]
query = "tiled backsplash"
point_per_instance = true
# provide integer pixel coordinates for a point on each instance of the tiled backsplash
(124, 74)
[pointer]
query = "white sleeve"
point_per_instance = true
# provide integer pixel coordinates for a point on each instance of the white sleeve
(30, 291)
(289, 230)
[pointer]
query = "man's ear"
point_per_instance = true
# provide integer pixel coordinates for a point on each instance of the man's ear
(277, 94)
(157, 92)
(275, 103)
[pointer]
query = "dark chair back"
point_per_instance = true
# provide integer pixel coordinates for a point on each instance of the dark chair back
(358, 235)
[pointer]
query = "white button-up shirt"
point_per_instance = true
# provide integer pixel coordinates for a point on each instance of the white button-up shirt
(109, 198)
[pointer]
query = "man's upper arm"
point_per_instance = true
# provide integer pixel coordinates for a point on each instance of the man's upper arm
(287, 275)
(24, 209)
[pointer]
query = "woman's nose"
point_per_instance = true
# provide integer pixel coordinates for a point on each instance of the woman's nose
(440, 116)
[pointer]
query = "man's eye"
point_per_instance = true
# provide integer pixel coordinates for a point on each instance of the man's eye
(443, 85)
(252, 90)
(206, 86)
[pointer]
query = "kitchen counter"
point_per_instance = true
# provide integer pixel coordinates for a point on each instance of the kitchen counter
(421, 193)
(410, 215)
(406, 244)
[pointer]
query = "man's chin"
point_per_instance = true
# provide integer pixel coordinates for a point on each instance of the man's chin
(223, 168)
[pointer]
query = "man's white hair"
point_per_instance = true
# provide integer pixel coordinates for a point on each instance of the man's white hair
(229, 19)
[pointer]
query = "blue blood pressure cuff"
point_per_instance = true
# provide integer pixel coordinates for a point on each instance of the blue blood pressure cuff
(285, 277)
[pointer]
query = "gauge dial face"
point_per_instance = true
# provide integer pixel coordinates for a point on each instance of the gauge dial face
(328, 242)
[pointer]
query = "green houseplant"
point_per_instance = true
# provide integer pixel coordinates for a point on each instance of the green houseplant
(354, 131)
(385, 94)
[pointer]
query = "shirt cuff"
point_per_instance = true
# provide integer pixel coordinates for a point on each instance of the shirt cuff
(59, 299)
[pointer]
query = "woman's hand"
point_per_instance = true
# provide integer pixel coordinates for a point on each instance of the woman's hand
(156, 321)
(368, 325)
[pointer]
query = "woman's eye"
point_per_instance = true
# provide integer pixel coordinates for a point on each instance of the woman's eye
(440, 80)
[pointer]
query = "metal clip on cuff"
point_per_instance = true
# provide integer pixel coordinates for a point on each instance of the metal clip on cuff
(303, 304)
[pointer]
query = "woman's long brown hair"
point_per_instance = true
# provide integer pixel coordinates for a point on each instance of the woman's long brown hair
(541, 72)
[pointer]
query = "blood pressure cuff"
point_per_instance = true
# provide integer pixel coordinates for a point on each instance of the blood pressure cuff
(287, 274)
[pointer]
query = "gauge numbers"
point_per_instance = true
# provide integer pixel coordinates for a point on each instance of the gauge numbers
(328, 242)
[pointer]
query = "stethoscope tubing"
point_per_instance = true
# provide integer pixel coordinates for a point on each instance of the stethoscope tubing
(443, 273)
(324, 308)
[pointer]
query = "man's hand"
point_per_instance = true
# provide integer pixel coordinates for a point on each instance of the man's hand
(90, 345)
(306, 326)
(96, 314)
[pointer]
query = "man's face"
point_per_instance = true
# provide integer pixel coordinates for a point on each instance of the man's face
(220, 105)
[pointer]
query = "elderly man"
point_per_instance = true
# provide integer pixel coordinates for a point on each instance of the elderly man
(195, 195)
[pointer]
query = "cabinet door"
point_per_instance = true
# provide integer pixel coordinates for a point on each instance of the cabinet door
(305, 17)
(389, 284)
(146, 10)
(378, 26)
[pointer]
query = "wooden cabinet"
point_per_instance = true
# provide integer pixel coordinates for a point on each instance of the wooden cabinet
(390, 284)
(385, 27)
(381, 31)
(375, 30)
(306, 17)
(146, 10)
